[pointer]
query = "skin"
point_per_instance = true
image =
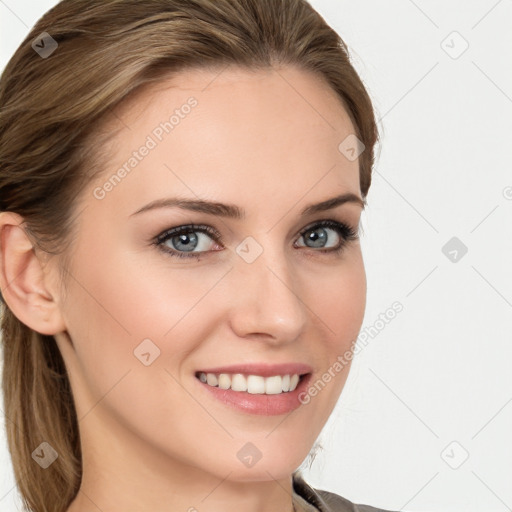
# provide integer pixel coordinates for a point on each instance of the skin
(152, 439)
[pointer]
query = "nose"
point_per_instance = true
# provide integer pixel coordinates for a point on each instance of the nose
(266, 300)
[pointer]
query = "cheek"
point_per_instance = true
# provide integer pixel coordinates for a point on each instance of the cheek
(337, 298)
(339, 307)
(112, 308)
(116, 303)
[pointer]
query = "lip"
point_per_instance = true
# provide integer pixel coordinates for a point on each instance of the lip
(260, 404)
(265, 370)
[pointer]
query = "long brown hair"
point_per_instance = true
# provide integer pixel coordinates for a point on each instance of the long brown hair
(55, 92)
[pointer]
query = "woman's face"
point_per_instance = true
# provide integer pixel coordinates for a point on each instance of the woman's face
(142, 321)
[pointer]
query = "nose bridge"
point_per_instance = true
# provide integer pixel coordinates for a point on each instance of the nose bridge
(267, 299)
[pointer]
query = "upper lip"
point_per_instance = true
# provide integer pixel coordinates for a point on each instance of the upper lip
(265, 370)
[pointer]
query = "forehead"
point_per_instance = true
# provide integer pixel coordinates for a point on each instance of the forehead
(231, 135)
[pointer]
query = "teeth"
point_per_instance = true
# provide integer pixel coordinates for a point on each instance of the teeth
(238, 382)
(224, 380)
(285, 384)
(254, 384)
(211, 379)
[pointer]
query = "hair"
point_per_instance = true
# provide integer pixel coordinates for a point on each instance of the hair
(51, 111)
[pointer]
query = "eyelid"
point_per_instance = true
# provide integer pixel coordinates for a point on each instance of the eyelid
(189, 227)
(325, 221)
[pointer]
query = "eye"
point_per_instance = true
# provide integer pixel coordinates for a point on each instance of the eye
(318, 236)
(183, 241)
(185, 238)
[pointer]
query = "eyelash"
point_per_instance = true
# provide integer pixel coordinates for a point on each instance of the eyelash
(346, 232)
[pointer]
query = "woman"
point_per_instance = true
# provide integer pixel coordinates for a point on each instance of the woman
(181, 184)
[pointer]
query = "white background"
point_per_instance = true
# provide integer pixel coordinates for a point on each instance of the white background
(437, 375)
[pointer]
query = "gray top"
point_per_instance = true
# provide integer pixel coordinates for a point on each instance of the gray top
(307, 499)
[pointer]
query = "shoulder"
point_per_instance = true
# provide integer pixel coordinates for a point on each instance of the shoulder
(336, 502)
(324, 501)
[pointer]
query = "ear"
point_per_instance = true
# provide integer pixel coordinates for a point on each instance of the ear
(23, 280)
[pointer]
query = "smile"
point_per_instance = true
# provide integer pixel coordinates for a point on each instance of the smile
(254, 384)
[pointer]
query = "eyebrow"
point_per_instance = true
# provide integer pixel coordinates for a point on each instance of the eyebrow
(235, 212)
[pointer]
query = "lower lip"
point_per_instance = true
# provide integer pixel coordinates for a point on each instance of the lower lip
(266, 405)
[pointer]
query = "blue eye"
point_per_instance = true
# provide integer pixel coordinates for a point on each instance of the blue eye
(318, 234)
(183, 241)
(185, 238)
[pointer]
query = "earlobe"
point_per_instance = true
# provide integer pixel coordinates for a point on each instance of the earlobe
(23, 279)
